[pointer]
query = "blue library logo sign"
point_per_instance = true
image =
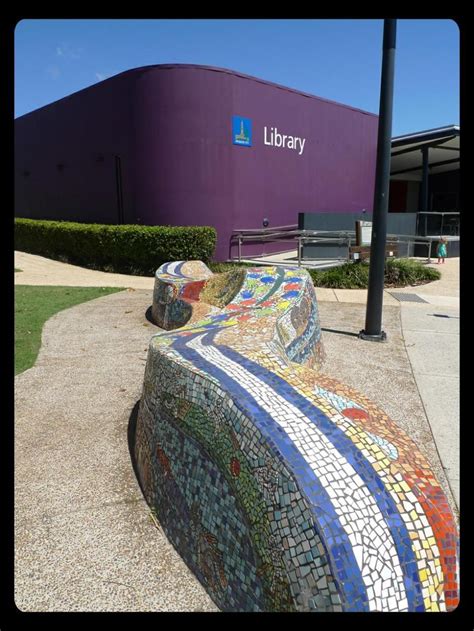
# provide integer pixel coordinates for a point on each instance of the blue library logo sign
(241, 131)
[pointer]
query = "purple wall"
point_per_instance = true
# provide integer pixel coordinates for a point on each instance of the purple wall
(76, 131)
(172, 127)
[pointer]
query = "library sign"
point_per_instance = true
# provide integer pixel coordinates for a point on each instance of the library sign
(272, 136)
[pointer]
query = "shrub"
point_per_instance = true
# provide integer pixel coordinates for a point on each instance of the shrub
(398, 273)
(128, 249)
(347, 276)
(403, 272)
(220, 268)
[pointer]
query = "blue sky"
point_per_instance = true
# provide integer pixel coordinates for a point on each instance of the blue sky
(335, 59)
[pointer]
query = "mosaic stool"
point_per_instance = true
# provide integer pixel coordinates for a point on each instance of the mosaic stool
(281, 488)
(177, 287)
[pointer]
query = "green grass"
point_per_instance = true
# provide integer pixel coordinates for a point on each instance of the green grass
(36, 304)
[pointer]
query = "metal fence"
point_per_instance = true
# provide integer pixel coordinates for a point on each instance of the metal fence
(343, 238)
(292, 233)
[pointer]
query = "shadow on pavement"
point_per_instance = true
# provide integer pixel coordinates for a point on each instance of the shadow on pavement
(131, 434)
(149, 317)
(442, 315)
(340, 332)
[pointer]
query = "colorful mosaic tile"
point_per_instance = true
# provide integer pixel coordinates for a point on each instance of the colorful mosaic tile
(284, 489)
(177, 287)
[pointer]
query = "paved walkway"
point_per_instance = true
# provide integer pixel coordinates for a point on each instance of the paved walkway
(38, 270)
(84, 537)
(431, 337)
(431, 334)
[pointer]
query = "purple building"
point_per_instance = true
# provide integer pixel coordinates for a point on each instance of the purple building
(193, 145)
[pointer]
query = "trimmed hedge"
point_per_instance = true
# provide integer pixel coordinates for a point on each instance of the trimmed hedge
(128, 249)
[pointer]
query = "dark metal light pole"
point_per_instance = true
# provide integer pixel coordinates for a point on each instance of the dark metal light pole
(373, 319)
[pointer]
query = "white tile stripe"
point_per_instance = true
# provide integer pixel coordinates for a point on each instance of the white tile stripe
(358, 513)
(172, 267)
(425, 532)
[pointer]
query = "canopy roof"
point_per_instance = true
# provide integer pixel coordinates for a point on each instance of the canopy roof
(443, 153)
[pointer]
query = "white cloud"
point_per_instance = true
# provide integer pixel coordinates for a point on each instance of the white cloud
(100, 76)
(66, 51)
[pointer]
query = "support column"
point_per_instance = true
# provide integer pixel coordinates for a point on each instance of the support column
(424, 186)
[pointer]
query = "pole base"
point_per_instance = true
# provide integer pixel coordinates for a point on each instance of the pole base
(382, 337)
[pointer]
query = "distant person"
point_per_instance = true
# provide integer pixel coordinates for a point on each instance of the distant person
(441, 250)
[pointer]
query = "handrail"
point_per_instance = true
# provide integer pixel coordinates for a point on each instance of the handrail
(411, 237)
(264, 233)
(244, 230)
(339, 237)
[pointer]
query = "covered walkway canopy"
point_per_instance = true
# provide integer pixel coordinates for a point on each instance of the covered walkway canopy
(416, 156)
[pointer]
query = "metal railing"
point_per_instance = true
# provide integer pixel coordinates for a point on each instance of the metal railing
(292, 233)
(423, 240)
(337, 237)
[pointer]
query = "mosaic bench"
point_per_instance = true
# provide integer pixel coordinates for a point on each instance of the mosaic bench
(177, 288)
(281, 488)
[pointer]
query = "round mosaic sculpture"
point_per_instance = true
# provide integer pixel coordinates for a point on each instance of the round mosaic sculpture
(177, 287)
(283, 489)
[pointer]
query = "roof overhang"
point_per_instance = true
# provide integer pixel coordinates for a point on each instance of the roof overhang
(443, 153)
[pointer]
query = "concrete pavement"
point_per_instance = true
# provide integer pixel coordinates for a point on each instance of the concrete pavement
(431, 335)
(38, 270)
(84, 535)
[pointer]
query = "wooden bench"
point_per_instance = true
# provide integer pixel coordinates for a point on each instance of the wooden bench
(391, 251)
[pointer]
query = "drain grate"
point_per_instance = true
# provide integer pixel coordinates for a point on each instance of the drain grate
(407, 297)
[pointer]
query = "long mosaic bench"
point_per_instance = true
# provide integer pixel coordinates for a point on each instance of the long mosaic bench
(281, 488)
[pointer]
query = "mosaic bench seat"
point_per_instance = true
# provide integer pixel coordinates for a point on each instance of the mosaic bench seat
(281, 488)
(177, 287)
